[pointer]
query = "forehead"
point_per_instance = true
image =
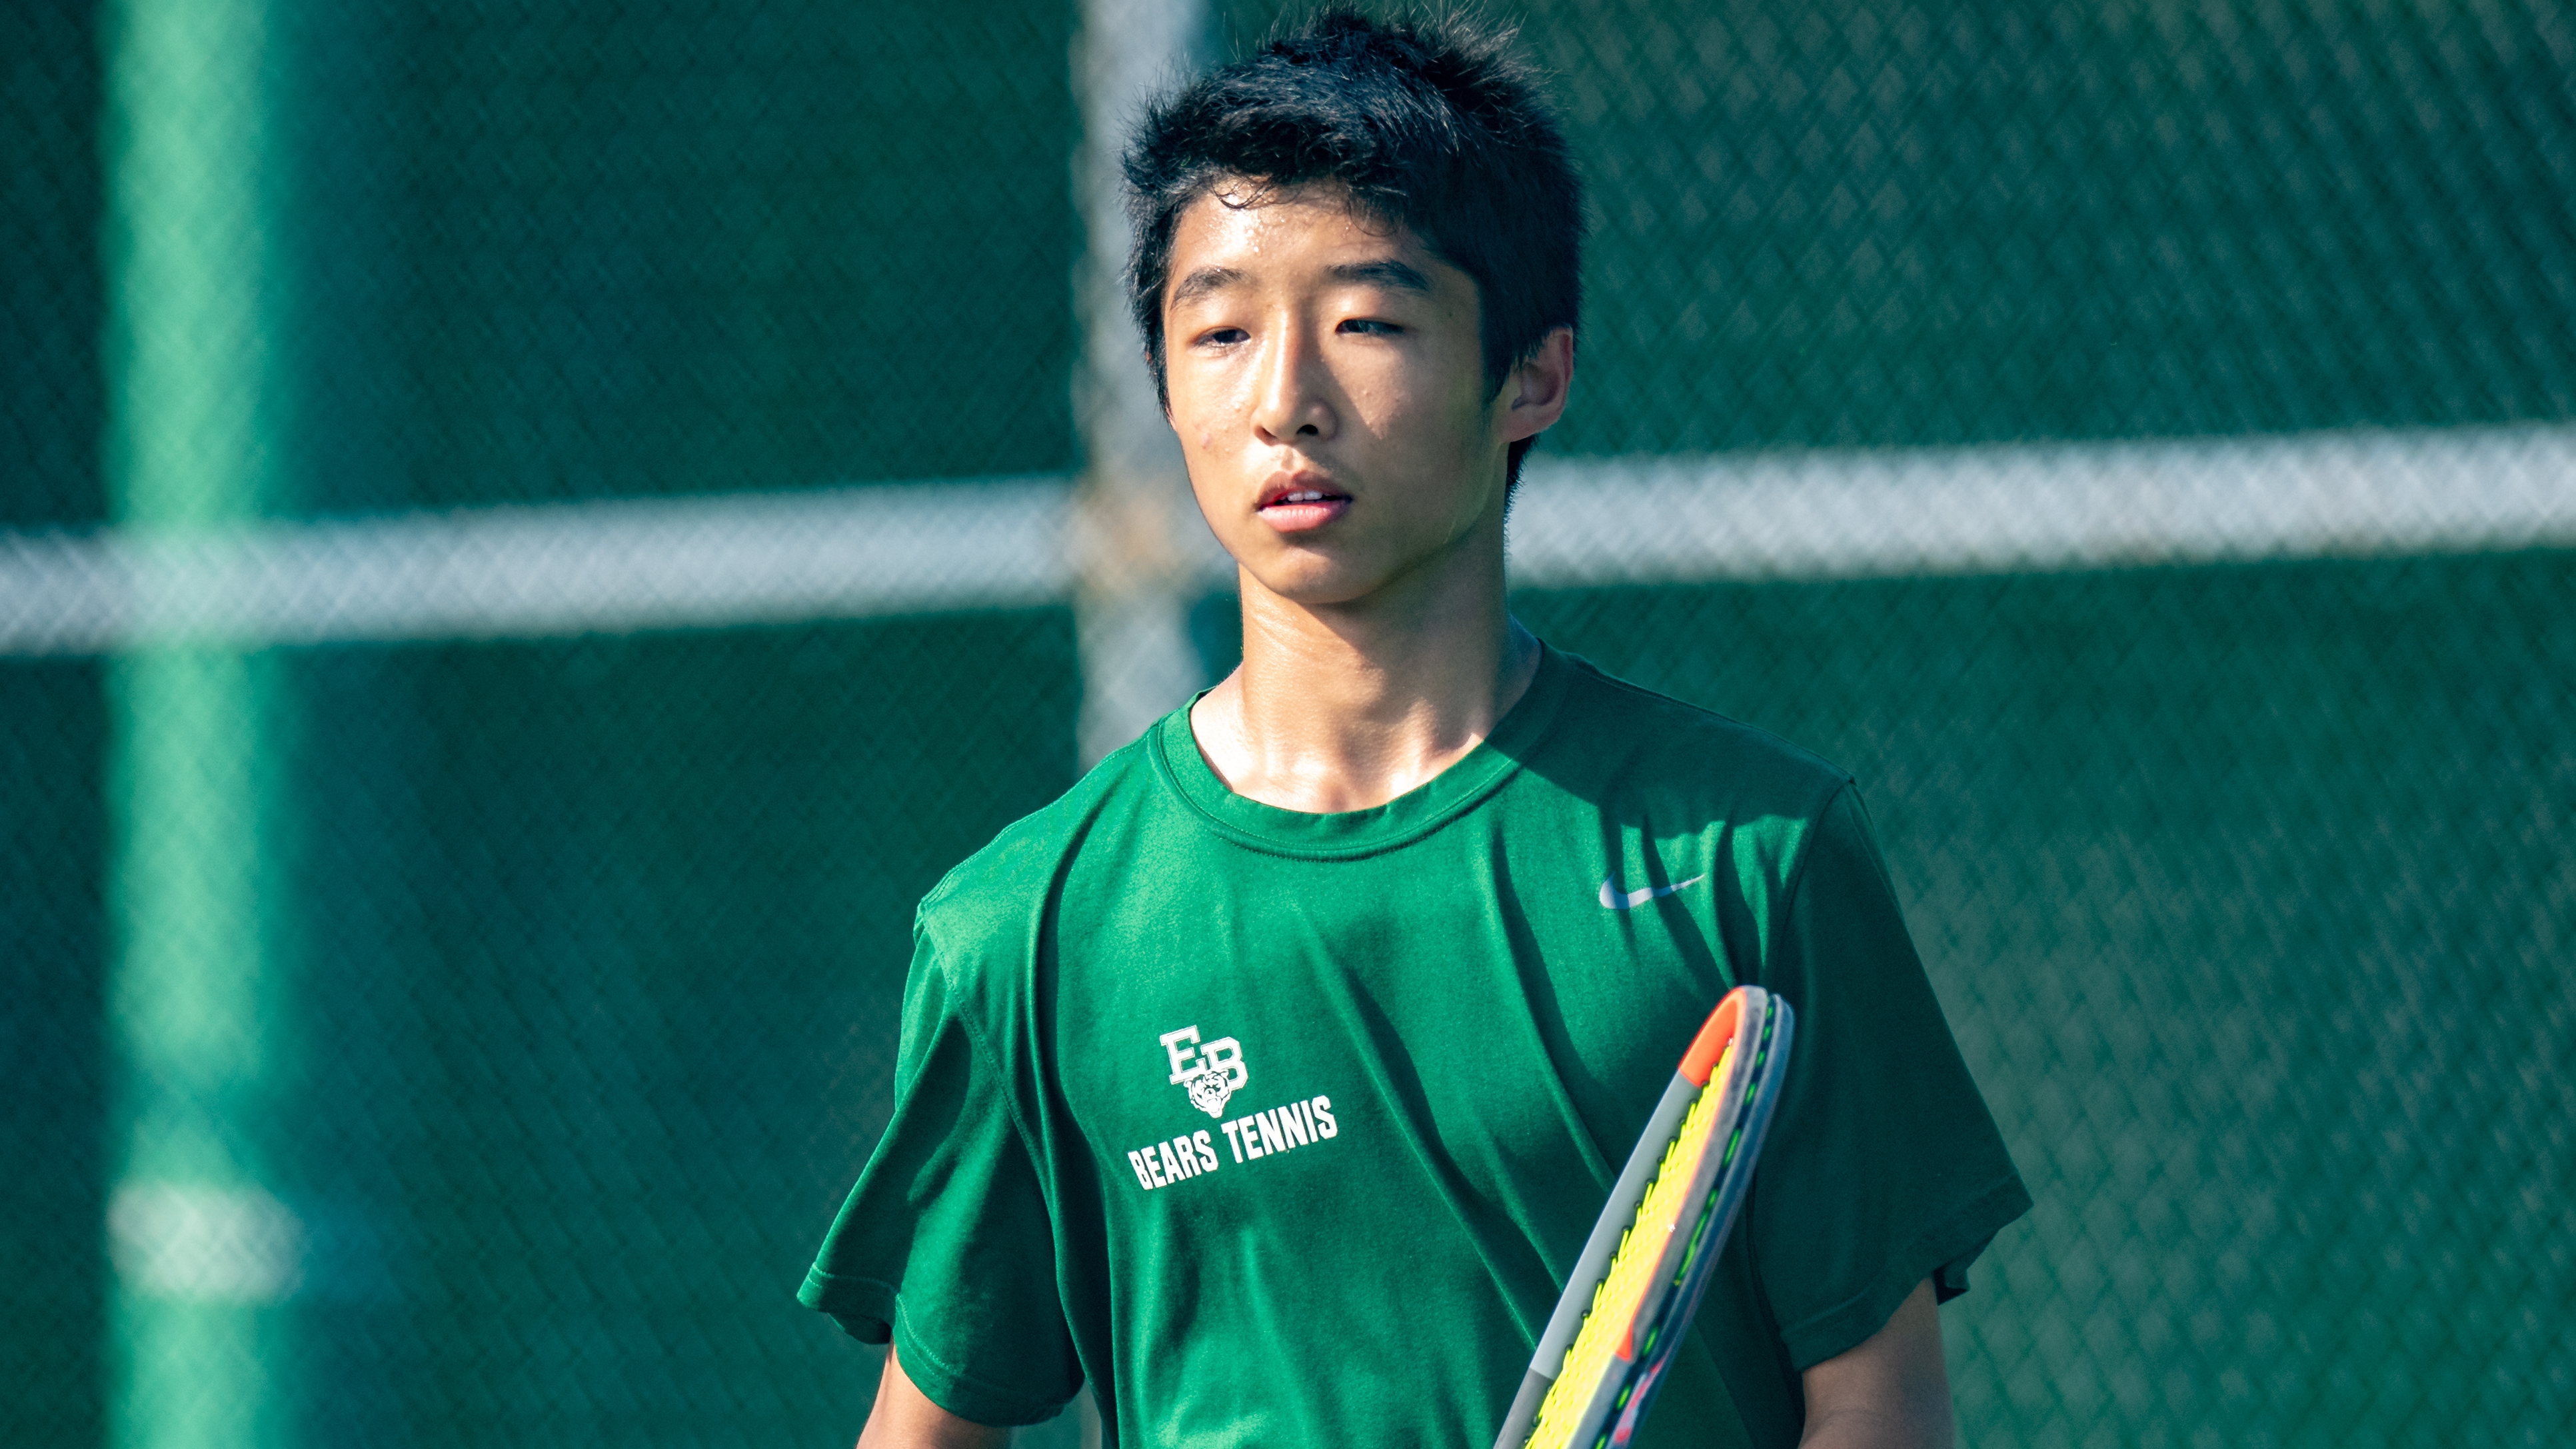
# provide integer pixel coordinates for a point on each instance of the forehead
(1298, 235)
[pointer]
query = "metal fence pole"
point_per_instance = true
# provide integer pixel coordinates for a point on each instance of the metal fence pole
(1136, 526)
(205, 1252)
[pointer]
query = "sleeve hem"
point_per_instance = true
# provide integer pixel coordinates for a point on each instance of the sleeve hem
(864, 1307)
(872, 1312)
(1951, 1243)
(962, 1394)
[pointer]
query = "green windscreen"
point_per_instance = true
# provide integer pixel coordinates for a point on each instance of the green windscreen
(452, 1023)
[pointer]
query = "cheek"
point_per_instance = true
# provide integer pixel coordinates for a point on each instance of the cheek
(1203, 424)
(1201, 406)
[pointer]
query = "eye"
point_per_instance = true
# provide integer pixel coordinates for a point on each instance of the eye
(1369, 327)
(1222, 336)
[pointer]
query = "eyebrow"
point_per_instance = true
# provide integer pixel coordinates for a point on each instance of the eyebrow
(1387, 273)
(1204, 281)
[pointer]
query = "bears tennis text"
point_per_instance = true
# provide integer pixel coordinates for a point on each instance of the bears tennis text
(1247, 1138)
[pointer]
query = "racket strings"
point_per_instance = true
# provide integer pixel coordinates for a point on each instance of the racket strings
(1610, 1323)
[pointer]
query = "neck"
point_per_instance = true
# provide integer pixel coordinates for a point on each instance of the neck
(1346, 706)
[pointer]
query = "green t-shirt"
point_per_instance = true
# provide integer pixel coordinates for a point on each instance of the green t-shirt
(1284, 1129)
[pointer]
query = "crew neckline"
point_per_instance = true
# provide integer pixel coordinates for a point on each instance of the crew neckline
(1406, 818)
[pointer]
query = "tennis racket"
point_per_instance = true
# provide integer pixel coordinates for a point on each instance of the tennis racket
(1632, 1293)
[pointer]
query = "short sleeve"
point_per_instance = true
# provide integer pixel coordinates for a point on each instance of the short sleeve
(946, 1244)
(1883, 1167)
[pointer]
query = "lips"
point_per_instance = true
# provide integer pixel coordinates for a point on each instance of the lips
(1300, 487)
(1296, 503)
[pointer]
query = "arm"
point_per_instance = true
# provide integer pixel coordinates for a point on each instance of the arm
(905, 1418)
(1889, 1392)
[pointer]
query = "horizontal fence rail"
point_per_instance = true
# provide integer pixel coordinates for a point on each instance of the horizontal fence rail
(521, 571)
(626, 565)
(2045, 507)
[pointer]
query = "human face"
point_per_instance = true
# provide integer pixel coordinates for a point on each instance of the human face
(1326, 377)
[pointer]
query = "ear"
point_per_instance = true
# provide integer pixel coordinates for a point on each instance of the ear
(1538, 387)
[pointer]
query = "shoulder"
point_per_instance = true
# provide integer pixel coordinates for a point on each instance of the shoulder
(1665, 757)
(992, 903)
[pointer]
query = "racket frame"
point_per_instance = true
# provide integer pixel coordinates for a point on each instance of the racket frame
(1747, 1014)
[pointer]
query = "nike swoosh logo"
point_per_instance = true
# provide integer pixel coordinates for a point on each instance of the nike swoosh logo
(1610, 893)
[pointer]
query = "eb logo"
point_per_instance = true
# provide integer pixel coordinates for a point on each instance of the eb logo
(1212, 1072)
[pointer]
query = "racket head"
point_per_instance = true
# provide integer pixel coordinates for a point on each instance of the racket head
(1642, 1307)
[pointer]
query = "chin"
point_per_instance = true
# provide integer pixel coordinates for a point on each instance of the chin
(1318, 584)
(1315, 593)
(1320, 575)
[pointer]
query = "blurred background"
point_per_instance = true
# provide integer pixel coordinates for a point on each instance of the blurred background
(531, 534)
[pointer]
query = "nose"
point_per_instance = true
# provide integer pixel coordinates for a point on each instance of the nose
(1292, 401)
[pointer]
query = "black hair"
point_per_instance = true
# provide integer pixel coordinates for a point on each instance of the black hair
(1431, 124)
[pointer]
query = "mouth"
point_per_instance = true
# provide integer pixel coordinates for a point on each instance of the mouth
(1301, 502)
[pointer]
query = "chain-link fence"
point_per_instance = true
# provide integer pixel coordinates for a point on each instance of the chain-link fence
(478, 715)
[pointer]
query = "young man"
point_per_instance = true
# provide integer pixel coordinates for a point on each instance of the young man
(1271, 1079)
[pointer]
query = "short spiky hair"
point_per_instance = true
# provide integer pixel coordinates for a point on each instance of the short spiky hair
(1430, 124)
